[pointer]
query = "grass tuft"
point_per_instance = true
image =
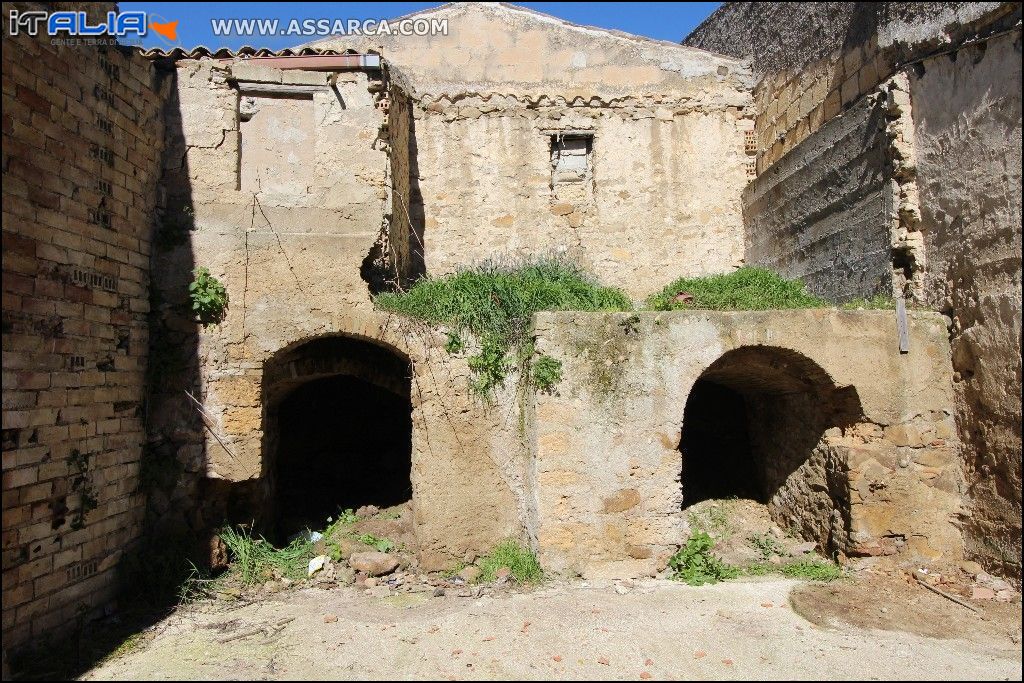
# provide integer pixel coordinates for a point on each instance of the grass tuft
(255, 560)
(746, 289)
(812, 570)
(875, 303)
(494, 303)
(520, 561)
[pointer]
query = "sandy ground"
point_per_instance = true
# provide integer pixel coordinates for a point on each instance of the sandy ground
(653, 629)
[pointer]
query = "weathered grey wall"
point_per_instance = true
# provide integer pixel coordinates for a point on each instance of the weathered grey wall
(819, 214)
(605, 443)
(814, 60)
(779, 36)
(967, 111)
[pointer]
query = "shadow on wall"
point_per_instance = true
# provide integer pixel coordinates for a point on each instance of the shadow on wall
(755, 427)
(397, 258)
(176, 532)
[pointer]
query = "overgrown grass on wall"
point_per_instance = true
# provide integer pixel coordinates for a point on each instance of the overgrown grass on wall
(746, 289)
(494, 302)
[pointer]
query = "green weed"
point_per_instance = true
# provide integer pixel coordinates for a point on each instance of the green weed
(767, 545)
(522, 563)
(494, 303)
(209, 297)
(546, 373)
(746, 289)
(383, 545)
(695, 565)
(812, 570)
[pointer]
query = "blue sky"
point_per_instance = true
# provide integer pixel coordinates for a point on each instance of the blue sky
(663, 20)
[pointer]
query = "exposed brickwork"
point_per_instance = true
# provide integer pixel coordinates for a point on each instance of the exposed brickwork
(81, 145)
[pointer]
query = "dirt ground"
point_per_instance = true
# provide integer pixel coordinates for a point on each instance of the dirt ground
(759, 628)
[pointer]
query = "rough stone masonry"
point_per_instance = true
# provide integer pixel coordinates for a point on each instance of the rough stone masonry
(306, 190)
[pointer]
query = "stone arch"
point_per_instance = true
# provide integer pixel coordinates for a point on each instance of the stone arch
(760, 422)
(337, 426)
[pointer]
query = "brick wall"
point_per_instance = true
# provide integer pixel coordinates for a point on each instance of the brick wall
(82, 137)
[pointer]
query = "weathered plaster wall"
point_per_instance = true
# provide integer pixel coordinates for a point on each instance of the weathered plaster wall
(82, 138)
(605, 452)
(293, 261)
(669, 125)
(662, 201)
(494, 46)
(967, 111)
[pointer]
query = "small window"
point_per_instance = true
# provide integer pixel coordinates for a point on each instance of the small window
(571, 158)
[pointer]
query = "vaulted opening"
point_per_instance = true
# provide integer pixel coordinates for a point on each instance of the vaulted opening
(756, 427)
(339, 432)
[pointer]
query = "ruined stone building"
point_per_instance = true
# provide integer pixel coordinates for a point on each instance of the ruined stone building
(867, 148)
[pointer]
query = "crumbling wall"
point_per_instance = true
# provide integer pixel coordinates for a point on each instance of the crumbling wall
(663, 130)
(657, 198)
(82, 139)
(504, 48)
(605, 452)
(298, 266)
(820, 214)
(967, 113)
(814, 60)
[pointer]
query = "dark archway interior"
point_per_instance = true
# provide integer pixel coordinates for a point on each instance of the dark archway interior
(717, 462)
(755, 417)
(343, 443)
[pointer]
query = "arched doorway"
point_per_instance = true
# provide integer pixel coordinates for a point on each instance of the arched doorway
(338, 431)
(756, 426)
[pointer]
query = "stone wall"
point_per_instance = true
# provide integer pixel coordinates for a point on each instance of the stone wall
(821, 213)
(500, 47)
(665, 131)
(82, 140)
(815, 59)
(605, 443)
(967, 115)
(299, 266)
(657, 200)
(942, 182)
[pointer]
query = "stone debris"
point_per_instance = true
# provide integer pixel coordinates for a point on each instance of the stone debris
(373, 563)
(470, 574)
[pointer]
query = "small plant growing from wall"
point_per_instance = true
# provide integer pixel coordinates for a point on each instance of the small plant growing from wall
(546, 373)
(209, 297)
(81, 483)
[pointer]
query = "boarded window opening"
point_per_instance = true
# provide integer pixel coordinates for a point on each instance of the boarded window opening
(571, 158)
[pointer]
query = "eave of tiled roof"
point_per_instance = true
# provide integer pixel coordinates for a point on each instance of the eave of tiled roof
(203, 52)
